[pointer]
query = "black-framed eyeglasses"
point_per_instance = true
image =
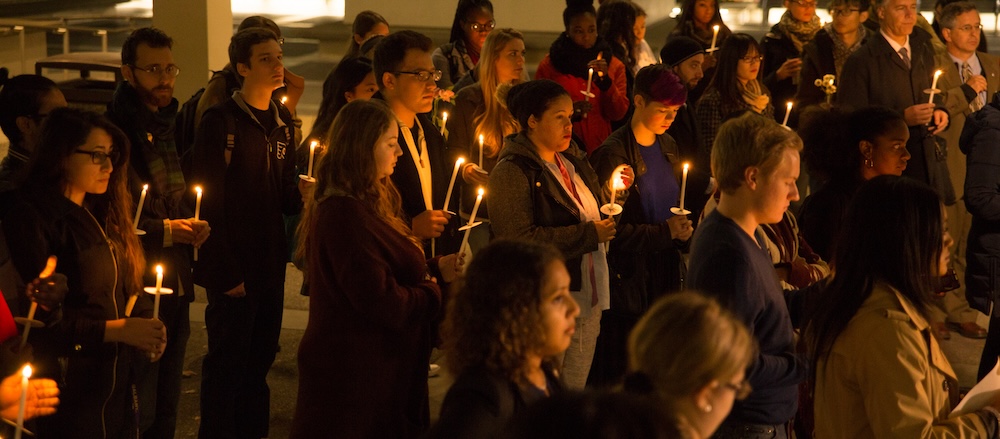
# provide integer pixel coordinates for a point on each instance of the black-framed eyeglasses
(170, 70)
(804, 4)
(844, 12)
(483, 27)
(742, 389)
(423, 75)
(100, 157)
(752, 59)
(969, 28)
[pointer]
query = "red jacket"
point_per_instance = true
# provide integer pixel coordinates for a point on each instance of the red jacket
(611, 104)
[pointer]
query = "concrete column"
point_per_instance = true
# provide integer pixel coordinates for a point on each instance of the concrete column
(201, 30)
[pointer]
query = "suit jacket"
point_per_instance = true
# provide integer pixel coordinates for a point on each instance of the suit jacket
(957, 97)
(876, 75)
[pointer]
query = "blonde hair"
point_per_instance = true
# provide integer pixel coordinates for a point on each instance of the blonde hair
(496, 121)
(750, 140)
(685, 342)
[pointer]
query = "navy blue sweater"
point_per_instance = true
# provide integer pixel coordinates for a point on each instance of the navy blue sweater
(728, 265)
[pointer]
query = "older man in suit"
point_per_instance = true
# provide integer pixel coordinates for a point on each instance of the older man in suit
(970, 79)
(892, 70)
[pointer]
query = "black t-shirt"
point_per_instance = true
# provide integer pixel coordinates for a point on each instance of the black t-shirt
(265, 117)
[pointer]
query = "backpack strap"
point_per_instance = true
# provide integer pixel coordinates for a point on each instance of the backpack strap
(230, 135)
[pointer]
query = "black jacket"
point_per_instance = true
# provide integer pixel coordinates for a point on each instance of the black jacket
(479, 404)
(645, 261)
(876, 75)
(527, 201)
(245, 198)
(94, 377)
(778, 48)
(979, 141)
(128, 113)
(817, 60)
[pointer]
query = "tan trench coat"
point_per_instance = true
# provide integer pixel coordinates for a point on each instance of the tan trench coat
(886, 377)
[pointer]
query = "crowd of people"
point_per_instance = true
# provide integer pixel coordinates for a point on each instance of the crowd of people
(733, 239)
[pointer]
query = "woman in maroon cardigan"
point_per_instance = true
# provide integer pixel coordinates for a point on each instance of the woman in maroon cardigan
(374, 302)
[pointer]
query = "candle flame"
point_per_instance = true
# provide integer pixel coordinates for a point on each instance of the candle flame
(715, 28)
(145, 187)
(686, 166)
(284, 99)
(460, 161)
(313, 144)
(481, 191)
(26, 371)
(618, 183)
(197, 189)
(789, 105)
(159, 270)
(444, 115)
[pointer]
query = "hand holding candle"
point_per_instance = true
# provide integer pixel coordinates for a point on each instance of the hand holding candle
(612, 208)
(30, 322)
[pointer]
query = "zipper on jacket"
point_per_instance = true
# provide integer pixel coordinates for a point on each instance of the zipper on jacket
(114, 300)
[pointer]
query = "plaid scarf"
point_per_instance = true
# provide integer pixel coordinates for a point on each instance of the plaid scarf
(800, 33)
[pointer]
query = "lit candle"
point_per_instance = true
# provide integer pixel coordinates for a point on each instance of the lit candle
(615, 185)
(284, 99)
(50, 268)
(451, 186)
(25, 374)
(937, 74)
(715, 36)
(197, 213)
(590, 78)
(684, 183)
(156, 292)
(480, 150)
(472, 220)
(788, 111)
(444, 121)
(312, 153)
(138, 207)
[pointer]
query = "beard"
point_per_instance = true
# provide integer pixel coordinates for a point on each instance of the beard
(152, 97)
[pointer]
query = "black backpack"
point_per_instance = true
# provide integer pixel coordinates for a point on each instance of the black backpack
(184, 132)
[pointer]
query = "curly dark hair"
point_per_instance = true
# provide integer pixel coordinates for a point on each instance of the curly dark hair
(493, 319)
(615, 24)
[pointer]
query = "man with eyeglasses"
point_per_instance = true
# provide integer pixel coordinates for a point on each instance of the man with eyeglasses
(892, 70)
(829, 49)
(782, 51)
(936, 25)
(406, 77)
(245, 161)
(144, 108)
(970, 80)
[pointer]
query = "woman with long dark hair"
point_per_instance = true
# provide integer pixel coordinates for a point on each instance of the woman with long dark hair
(508, 321)
(735, 88)
(473, 22)
(74, 203)
(373, 298)
(367, 25)
(352, 79)
(878, 370)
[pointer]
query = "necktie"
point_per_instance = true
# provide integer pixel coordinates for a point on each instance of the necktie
(905, 55)
(977, 103)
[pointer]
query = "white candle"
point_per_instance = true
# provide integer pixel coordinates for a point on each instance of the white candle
(312, 153)
(788, 111)
(444, 121)
(25, 374)
(138, 207)
(614, 188)
(197, 213)
(684, 183)
(472, 220)
(590, 78)
(937, 74)
(715, 35)
(480, 150)
(156, 293)
(451, 186)
(27, 325)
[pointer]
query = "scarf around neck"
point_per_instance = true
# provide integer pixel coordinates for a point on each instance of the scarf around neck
(840, 49)
(800, 33)
(571, 59)
(754, 96)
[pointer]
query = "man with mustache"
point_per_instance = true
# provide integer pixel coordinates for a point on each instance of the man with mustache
(145, 109)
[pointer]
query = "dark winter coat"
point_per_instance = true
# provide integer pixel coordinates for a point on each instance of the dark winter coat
(982, 198)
